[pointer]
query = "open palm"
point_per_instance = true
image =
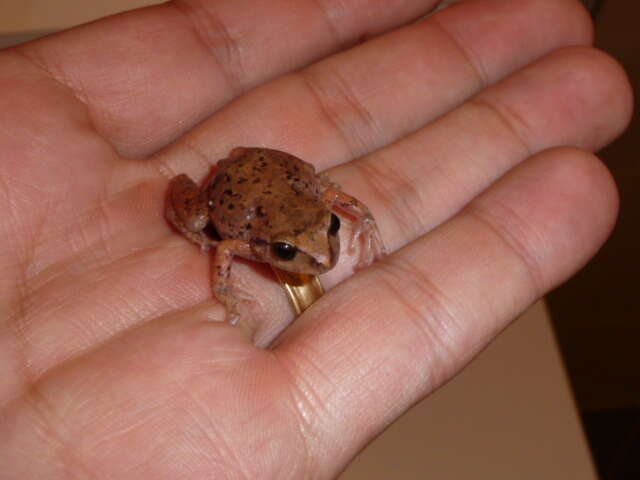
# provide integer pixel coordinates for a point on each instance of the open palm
(116, 361)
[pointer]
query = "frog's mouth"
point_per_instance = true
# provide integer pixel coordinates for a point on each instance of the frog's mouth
(321, 263)
(324, 264)
(308, 264)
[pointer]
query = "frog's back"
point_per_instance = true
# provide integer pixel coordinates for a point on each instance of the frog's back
(261, 191)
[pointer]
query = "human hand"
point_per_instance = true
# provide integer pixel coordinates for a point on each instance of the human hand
(114, 365)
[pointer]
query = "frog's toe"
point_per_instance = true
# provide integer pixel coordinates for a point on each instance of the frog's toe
(366, 243)
(233, 317)
(243, 296)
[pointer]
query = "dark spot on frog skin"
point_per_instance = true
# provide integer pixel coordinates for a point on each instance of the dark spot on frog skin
(241, 180)
(221, 202)
(267, 192)
(227, 192)
(231, 206)
(248, 226)
(256, 180)
(211, 232)
(260, 212)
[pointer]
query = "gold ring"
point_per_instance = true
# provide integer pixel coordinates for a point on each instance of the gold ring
(301, 289)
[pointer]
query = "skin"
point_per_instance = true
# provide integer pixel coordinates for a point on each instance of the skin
(260, 201)
(472, 130)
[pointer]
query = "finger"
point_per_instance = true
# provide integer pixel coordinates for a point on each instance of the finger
(575, 96)
(361, 99)
(395, 332)
(148, 75)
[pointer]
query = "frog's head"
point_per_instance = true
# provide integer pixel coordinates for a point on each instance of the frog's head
(312, 250)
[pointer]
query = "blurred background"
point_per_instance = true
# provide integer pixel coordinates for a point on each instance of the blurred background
(595, 315)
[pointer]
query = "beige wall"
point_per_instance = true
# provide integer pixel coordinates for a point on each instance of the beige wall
(20, 16)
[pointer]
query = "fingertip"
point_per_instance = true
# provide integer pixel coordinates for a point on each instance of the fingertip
(572, 15)
(576, 95)
(568, 201)
(583, 27)
(601, 82)
(583, 177)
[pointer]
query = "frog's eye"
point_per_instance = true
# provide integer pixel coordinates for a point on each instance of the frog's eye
(335, 225)
(284, 251)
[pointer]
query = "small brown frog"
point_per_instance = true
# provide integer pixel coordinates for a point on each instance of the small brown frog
(268, 206)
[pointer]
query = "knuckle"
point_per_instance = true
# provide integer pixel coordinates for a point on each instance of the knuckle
(513, 232)
(344, 111)
(211, 31)
(399, 194)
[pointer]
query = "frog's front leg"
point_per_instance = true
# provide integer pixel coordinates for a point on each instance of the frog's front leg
(221, 271)
(188, 210)
(365, 229)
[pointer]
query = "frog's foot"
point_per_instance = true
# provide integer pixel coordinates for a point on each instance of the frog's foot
(366, 235)
(186, 210)
(231, 302)
(233, 316)
(235, 301)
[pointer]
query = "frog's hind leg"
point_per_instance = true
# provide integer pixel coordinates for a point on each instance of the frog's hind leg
(187, 210)
(220, 276)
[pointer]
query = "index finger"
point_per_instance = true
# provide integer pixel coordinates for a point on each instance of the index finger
(149, 75)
